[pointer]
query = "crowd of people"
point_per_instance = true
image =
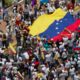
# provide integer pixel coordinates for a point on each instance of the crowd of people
(38, 58)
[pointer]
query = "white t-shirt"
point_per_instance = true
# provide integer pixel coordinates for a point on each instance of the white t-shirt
(64, 55)
(51, 9)
(34, 75)
(65, 39)
(72, 71)
(7, 78)
(61, 45)
(8, 64)
(72, 62)
(54, 73)
(25, 54)
(76, 77)
(67, 64)
(48, 57)
(78, 62)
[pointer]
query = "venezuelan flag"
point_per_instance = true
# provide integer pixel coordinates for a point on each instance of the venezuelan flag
(44, 21)
(72, 28)
(58, 26)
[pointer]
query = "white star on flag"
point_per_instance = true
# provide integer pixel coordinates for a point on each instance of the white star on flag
(58, 32)
(57, 23)
(57, 28)
(61, 21)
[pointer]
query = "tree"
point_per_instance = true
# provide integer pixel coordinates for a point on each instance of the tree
(8, 2)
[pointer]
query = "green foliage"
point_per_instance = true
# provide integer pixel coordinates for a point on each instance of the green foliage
(8, 2)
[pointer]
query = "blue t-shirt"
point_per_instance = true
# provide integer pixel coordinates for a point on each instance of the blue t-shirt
(43, 1)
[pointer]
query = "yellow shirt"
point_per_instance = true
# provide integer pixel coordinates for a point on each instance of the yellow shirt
(39, 75)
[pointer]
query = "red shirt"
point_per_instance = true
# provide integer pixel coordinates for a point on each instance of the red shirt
(36, 63)
(18, 22)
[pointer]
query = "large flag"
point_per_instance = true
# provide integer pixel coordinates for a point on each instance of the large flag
(44, 21)
(58, 26)
(73, 27)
